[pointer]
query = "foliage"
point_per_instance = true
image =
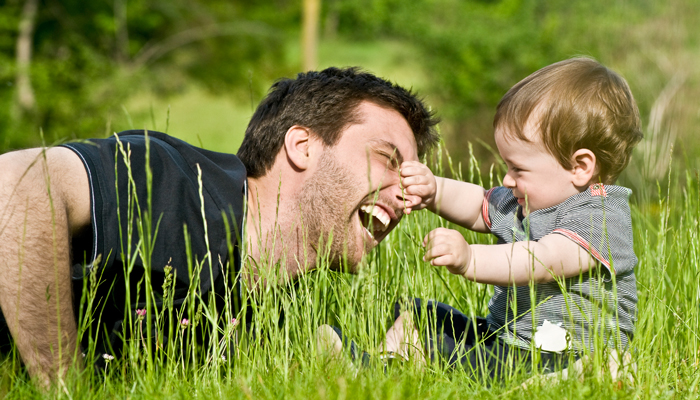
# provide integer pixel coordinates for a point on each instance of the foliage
(86, 68)
(476, 50)
(87, 61)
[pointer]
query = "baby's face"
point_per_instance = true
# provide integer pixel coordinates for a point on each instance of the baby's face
(536, 178)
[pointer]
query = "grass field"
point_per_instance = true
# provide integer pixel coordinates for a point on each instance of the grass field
(281, 361)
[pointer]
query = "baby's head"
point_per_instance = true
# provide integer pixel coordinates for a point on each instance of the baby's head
(576, 104)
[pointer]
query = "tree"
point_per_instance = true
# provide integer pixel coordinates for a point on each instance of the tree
(81, 60)
(25, 93)
(309, 40)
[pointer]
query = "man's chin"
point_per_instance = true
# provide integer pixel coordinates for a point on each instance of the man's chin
(348, 262)
(345, 266)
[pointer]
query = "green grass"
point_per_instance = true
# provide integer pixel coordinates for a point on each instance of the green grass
(281, 362)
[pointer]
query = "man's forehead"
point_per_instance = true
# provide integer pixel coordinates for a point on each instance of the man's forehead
(382, 127)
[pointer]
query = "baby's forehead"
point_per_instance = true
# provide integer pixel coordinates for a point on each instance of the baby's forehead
(526, 129)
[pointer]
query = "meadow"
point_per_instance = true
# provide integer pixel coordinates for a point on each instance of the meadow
(280, 359)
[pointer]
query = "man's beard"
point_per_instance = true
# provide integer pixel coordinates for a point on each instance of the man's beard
(326, 213)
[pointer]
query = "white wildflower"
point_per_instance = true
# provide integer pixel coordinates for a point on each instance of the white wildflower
(551, 337)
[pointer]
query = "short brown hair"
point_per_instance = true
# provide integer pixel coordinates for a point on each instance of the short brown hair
(581, 104)
(326, 102)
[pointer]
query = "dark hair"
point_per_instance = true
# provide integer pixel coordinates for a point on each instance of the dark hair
(326, 102)
(579, 104)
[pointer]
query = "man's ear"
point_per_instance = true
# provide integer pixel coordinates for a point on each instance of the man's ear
(296, 144)
(585, 169)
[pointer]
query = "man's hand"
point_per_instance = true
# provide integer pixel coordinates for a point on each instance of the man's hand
(447, 247)
(419, 185)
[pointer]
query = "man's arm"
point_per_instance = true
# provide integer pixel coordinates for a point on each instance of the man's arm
(519, 263)
(44, 199)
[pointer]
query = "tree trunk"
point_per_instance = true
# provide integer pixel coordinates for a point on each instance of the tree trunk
(309, 40)
(331, 23)
(122, 33)
(25, 92)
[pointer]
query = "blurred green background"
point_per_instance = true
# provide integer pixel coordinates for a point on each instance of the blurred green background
(73, 69)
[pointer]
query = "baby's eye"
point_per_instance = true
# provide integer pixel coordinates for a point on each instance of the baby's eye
(515, 169)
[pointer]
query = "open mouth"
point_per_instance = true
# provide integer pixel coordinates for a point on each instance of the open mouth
(375, 220)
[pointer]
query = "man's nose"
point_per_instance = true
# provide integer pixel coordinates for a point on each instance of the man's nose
(508, 181)
(395, 190)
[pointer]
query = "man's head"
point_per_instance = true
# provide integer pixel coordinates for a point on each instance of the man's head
(323, 150)
(575, 104)
(353, 198)
(326, 102)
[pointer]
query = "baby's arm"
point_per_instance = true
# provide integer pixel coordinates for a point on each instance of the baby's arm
(458, 202)
(507, 264)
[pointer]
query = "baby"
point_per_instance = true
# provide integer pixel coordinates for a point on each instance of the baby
(563, 268)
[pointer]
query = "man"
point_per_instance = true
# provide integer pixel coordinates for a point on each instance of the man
(319, 162)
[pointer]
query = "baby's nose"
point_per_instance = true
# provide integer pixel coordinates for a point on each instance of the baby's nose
(508, 181)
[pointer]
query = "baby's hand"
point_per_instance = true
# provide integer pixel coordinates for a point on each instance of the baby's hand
(447, 247)
(418, 184)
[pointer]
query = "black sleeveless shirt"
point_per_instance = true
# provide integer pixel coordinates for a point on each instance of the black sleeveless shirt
(183, 232)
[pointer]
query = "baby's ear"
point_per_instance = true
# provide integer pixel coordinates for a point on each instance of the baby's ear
(584, 167)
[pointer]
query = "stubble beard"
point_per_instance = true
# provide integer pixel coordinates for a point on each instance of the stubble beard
(325, 209)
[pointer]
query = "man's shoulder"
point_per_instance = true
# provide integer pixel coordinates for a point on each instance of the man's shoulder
(162, 145)
(155, 138)
(181, 182)
(173, 168)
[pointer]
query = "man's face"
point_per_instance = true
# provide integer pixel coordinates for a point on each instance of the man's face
(354, 194)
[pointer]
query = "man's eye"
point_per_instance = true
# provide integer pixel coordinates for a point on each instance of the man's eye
(391, 161)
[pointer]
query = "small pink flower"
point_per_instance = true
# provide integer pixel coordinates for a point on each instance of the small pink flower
(185, 323)
(234, 322)
(108, 357)
(141, 312)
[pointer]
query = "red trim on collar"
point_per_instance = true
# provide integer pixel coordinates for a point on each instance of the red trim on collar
(598, 189)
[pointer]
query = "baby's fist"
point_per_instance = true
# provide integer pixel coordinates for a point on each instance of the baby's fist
(447, 247)
(419, 185)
